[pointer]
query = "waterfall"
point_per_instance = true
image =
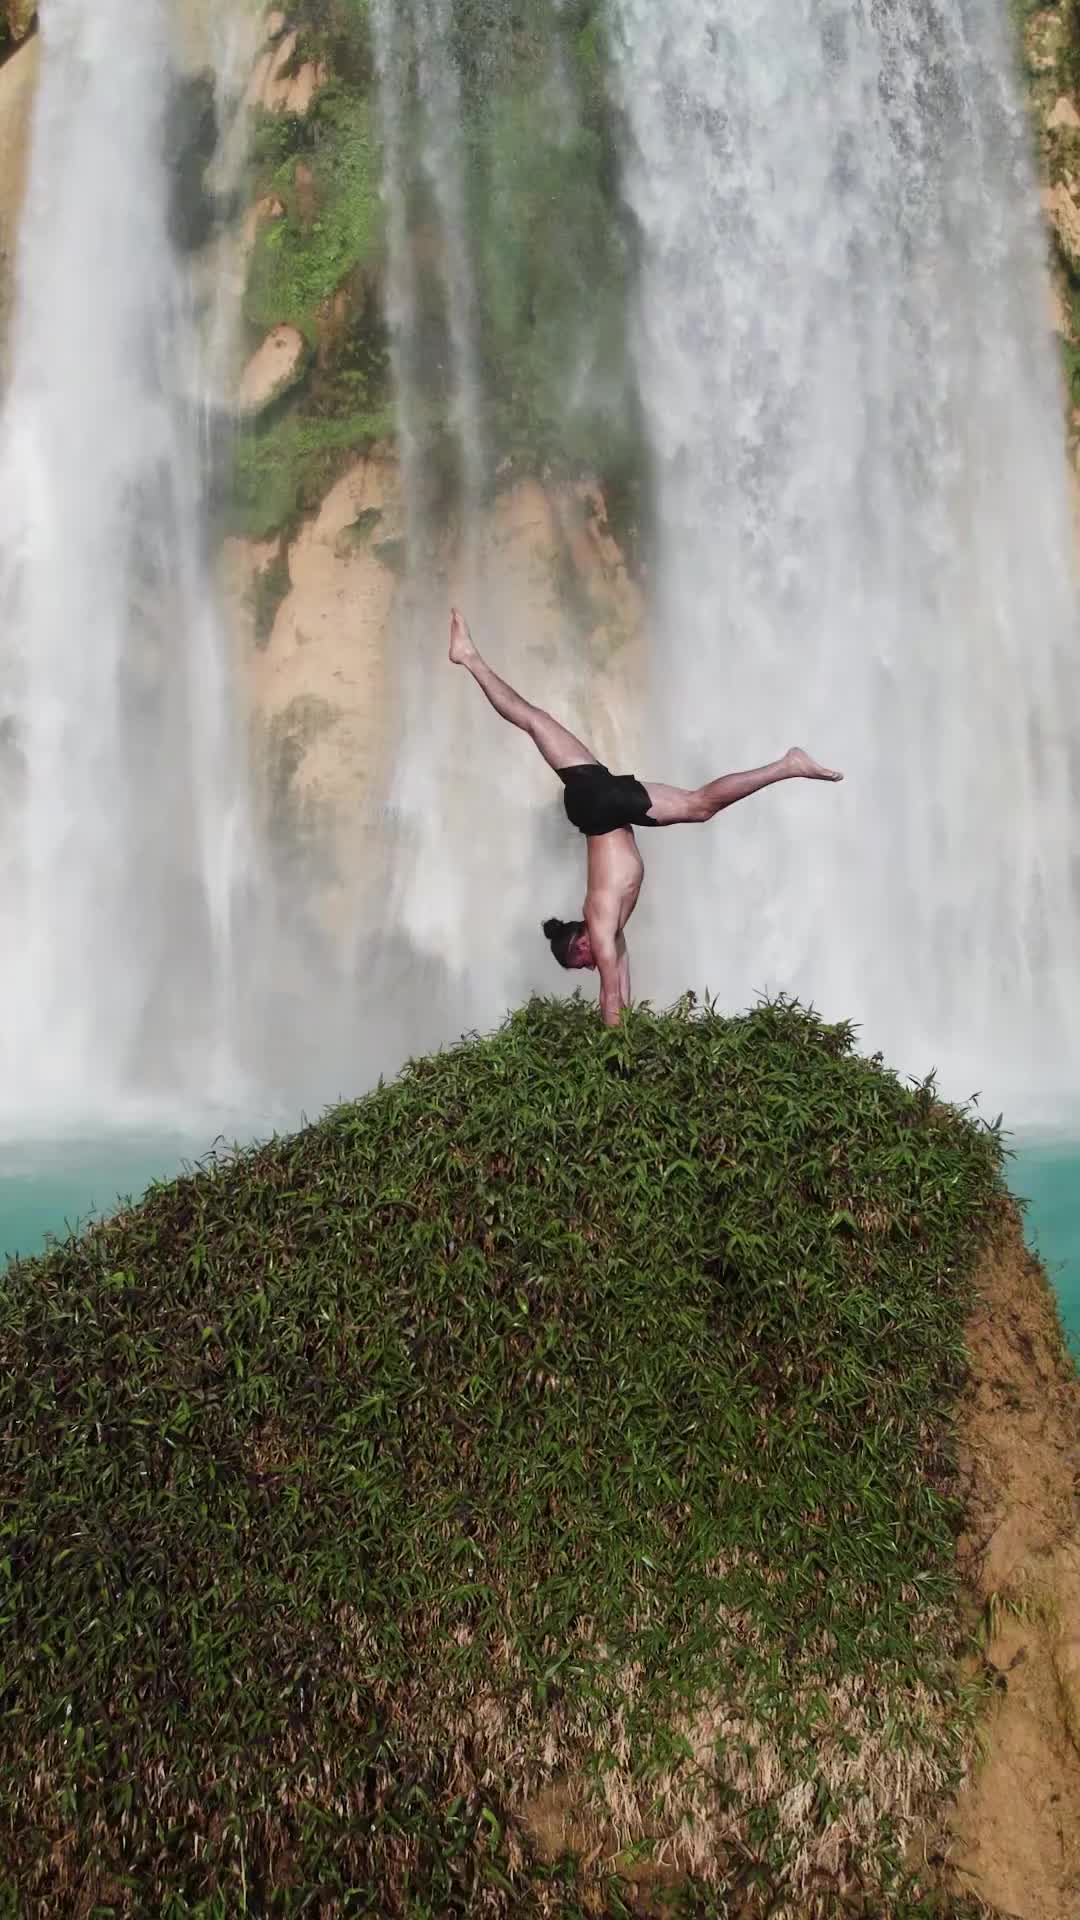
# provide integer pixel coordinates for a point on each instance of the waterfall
(478, 854)
(124, 833)
(862, 542)
(422, 122)
(439, 973)
(443, 161)
(864, 538)
(422, 155)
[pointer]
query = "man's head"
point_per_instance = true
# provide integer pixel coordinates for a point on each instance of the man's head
(570, 943)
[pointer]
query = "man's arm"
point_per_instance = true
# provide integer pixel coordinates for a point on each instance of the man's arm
(624, 968)
(605, 953)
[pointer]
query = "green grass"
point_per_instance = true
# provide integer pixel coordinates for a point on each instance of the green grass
(269, 589)
(574, 1409)
(328, 237)
(284, 470)
(301, 259)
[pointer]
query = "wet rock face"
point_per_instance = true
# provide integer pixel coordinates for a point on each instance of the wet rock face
(282, 81)
(275, 366)
(191, 137)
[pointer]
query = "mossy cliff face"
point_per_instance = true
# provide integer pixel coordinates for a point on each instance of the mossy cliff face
(549, 247)
(1050, 50)
(317, 556)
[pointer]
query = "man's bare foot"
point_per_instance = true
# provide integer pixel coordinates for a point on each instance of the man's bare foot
(801, 767)
(461, 641)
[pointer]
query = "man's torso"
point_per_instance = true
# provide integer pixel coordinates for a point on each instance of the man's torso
(616, 871)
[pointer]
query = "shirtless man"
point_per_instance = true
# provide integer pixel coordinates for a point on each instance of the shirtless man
(606, 808)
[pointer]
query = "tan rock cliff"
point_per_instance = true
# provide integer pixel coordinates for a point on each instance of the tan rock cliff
(554, 590)
(18, 81)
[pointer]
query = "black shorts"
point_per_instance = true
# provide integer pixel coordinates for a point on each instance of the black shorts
(599, 802)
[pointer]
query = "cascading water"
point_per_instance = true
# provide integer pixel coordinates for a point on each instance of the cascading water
(443, 161)
(474, 825)
(863, 542)
(447, 974)
(864, 532)
(124, 837)
(422, 144)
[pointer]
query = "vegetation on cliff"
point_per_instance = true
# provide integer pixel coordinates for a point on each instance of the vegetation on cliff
(549, 1455)
(16, 19)
(549, 252)
(1050, 44)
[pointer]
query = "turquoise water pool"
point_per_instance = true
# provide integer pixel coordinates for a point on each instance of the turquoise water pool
(50, 1189)
(1047, 1175)
(45, 1190)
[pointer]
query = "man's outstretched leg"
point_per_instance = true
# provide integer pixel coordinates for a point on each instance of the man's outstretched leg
(680, 806)
(559, 748)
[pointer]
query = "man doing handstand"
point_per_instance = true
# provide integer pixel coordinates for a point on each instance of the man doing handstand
(606, 807)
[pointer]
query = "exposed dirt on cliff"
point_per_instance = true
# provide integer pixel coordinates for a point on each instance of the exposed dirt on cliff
(281, 82)
(273, 368)
(1015, 1833)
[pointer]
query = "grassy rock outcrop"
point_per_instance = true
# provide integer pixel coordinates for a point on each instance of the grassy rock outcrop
(531, 1490)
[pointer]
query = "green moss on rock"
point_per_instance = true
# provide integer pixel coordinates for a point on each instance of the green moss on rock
(548, 234)
(284, 470)
(339, 33)
(1069, 62)
(554, 269)
(269, 591)
(573, 1412)
(332, 219)
(317, 267)
(359, 531)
